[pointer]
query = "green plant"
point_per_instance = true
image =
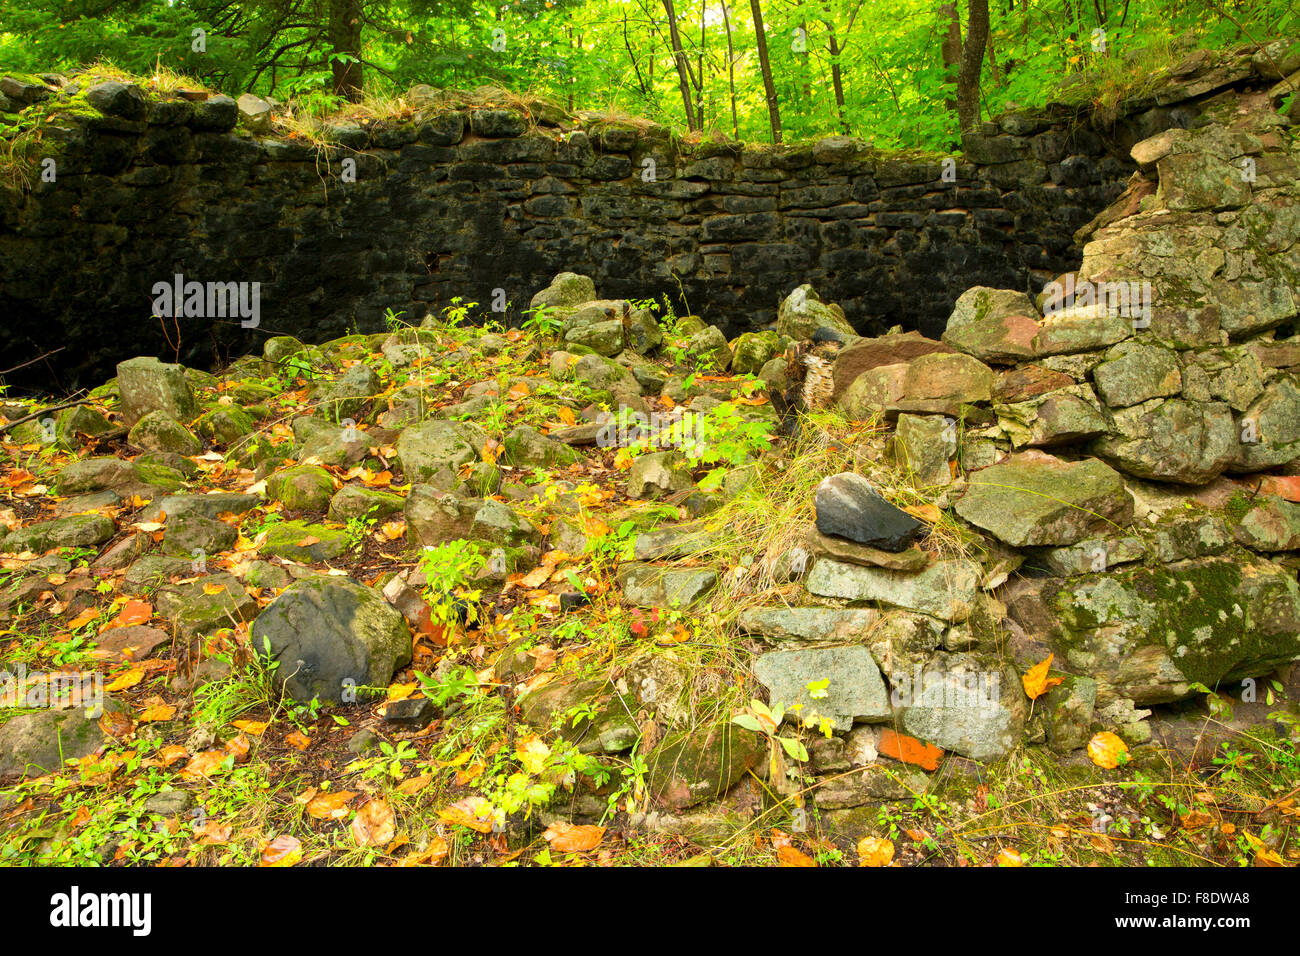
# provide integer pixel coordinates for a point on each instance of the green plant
(446, 568)
(542, 320)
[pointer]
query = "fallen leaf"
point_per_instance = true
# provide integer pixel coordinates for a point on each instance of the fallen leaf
(568, 838)
(875, 851)
(282, 851)
(298, 740)
(126, 679)
(157, 712)
(473, 812)
(1036, 681)
(909, 749)
(253, 727)
(789, 856)
(330, 806)
(1106, 750)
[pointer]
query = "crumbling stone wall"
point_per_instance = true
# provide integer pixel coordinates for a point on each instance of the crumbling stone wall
(489, 203)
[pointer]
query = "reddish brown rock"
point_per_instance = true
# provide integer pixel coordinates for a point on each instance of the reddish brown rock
(866, 354)
(1021, 384)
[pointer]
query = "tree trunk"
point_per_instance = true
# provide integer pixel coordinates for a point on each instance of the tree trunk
(760, 38)
(837, 80)
(683, 68)
(951, 50)
(344, 36)
(731, 71)
(972, 60)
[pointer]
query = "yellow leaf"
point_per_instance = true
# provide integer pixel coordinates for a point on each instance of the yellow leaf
(157, 712)
(874, 851)
(532, 753)
(1036, 681)
(254, 727)
(127, 679)
(1009, 857)
(213, 588)
(1107, 750)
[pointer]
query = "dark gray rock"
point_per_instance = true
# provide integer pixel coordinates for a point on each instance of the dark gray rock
(849, 507)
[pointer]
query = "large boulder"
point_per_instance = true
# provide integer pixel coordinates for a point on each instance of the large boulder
(937, 383)
(433, 451)
(1149, 634)
(866, 354)
(855, 689)
(994, 325)
(1174, 440)
(803, 313)
(946, 589)
(331, 637)
(148, 385)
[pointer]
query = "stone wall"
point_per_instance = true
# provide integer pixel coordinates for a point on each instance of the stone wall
(463, 201)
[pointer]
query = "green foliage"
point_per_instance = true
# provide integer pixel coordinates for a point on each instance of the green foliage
(605, 54)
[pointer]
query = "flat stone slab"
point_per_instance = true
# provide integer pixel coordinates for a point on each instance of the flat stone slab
(1035, 499)
(645, 585)
(811, 624)
(944, 590)
(854, 689)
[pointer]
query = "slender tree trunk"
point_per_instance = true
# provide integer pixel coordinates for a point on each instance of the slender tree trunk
(344, 35)
(951, 50)
(683, 68)
(972, 60)
(699, 63)
(731, 71)
(760, 39)
(837, 80)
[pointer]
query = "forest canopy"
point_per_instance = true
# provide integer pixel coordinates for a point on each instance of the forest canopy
(886, 70)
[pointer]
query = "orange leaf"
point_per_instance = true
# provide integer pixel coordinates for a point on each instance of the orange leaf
(1009, 857)
(298, 740)
(473, 812)
(568, 838)
(157, 712)
(1036, 681)
(82, 619)
(567, 416)
(789, 856)
(874, 851)
(330, 806)
(133, 612)
(909, 750)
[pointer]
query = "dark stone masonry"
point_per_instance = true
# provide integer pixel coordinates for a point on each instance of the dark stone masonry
(465, 202)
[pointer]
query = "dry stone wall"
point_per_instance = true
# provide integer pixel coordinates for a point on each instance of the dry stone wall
(465, 201)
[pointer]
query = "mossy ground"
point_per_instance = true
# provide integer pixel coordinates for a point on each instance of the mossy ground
(261, 767)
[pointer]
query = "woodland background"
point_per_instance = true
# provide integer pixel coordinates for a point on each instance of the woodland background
(902, 73)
